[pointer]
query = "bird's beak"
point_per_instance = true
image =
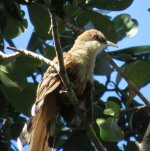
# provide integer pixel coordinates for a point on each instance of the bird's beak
(109, 43)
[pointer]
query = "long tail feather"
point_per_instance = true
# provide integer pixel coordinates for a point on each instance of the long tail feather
(39, 128)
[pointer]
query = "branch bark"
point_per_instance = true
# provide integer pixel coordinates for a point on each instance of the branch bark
(9, 56)
(34, 55)
(61, 71)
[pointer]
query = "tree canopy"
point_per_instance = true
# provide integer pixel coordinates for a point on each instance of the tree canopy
(116, 118)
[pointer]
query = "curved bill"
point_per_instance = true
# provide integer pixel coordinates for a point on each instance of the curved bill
(109, 43)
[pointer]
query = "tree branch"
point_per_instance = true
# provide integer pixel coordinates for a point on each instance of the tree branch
(73, 28)
(62, 72)
(9, 56)
(130, 82)
(35, 56)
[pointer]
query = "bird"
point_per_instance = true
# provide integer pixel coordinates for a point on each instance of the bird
(79, 64)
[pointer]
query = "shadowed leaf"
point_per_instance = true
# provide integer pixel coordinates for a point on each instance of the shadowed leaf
(20, 100)
(112, 108)
(109, 129)
(115, 5)
(99, 22)
(125, 26)
(40, 19)
(132, 53)
(102, 66)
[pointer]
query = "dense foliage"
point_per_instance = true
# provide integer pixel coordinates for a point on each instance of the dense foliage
(17, 93)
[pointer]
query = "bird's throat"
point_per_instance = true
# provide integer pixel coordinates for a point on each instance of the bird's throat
(85, 57)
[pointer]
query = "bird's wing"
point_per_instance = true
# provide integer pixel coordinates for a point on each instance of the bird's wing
(51, 80)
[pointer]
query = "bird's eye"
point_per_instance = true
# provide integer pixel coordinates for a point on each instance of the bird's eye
(95, 36)
(99, 38)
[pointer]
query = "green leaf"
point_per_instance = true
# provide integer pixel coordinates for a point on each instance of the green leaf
(102, 66)
(34, 43)
(139, 121)
(112, 108)
(17, 26)
(81, 19)
(132, 53)
(131, 146)
(99, 90)
(12, 19)
(109, 129)
(14, 86)
(8, 77)
(71, 10)
(5, 79)
(49, 51)
(40, 19)
(24, 65)
(125, 26)
(67, 39)
(135, 70)
(4, 69)
(100, 22)
(47, 2)
(115, 5)
(79, 142)
(20, 100)
(136, 75)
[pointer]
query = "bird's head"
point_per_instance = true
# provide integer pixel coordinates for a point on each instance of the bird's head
(94, 38)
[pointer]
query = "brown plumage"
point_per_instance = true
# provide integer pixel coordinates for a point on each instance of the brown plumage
(79, 64)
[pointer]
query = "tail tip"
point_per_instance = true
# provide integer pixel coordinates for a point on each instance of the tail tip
(19, 144)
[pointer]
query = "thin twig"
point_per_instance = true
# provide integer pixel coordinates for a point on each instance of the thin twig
(73, 28)
(130, 82)
(62, 72)
(135, 108)
(36, 56)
